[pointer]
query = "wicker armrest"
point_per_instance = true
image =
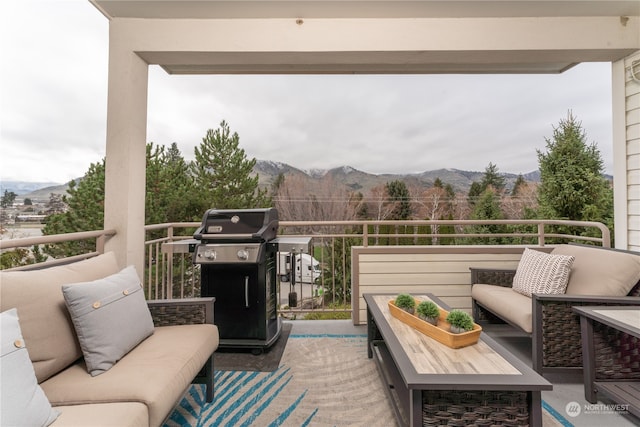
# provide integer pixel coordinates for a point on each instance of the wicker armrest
(556, 328)
(492, 276)
(188, 311)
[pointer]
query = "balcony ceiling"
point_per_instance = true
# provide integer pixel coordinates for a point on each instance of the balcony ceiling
(255, 9)
(369, 51)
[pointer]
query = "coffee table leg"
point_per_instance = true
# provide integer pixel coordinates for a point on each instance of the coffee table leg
(369, 334)
(588, 358)
(415, 408)
(535, 408)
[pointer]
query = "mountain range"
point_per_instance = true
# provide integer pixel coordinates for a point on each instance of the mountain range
(357, 180)
(268, 171)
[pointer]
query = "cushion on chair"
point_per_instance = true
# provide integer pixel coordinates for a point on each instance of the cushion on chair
(110, 316)
(117, 414)
(44, 319)
(23, 402)
(505, 303)
(174, 355)
(598, 271)
(541, 273)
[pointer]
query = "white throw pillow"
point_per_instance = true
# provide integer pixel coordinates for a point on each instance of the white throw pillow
(23, 401)
(541, 273)
(110, 317)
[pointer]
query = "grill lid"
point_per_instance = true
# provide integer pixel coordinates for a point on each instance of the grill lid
(247, 225)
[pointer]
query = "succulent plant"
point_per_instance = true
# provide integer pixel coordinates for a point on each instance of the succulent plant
(460, 319)
(406, 302)
(428, 310)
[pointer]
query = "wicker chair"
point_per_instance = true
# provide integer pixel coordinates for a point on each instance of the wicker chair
(555, 338)
(188, 311)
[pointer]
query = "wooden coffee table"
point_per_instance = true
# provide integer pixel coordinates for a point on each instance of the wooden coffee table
(428, 382)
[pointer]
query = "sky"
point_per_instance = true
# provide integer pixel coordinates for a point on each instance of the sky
(53, 98)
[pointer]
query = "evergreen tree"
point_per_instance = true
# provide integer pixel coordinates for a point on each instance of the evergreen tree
(85, 201)
(170, 191)
(487, 207)
(7, 198)
(399, 194)
(492, 178)
(474, 193)
(517, 185)
(222, 173)
(170, 197)
(572, 186)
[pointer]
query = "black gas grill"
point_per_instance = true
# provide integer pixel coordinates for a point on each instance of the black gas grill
(237, 255)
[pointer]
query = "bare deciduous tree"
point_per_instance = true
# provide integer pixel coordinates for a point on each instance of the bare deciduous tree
(298, 199)
(526, 198)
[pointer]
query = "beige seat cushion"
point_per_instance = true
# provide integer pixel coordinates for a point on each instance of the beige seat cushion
(506, 303)
(44, 319)
(121, 414)
(157, 372)
(600, 271)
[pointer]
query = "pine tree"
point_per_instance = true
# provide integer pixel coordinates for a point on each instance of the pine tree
(492, 178)
(222, 173)
(520, 182)
(170, 197)
(170, 192)
(572, 186)
(487, 207)
(399, 194)
(7, 199)
(85, 201)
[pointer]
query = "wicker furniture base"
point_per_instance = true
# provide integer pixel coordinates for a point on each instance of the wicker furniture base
(474, 408)
(611, 354)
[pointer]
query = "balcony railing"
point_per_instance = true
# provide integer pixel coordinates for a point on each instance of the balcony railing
(170, 272)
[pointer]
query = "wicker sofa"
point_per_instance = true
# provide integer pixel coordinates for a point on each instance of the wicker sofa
(140, 388)
(598, 276)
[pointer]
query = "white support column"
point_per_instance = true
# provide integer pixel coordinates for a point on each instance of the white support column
(126, 150)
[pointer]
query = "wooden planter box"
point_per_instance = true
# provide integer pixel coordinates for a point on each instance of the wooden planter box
(441, 332)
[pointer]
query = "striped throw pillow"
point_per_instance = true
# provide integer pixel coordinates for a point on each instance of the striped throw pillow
(541, 273)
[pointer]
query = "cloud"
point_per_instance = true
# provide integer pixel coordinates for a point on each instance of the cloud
(54, 96)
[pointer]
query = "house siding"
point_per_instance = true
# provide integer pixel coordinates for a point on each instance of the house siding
(440, 270)
(632, 116)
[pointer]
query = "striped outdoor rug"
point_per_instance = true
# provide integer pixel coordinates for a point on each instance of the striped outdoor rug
(322, 380)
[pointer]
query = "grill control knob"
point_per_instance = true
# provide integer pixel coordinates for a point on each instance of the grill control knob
(209, 254)
(243, 254)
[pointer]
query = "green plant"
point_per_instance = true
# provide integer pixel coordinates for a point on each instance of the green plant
(406, 302)
(460, 319)
(428, 310)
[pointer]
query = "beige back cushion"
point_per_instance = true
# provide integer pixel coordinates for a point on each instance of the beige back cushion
(600, 271)
(45, 322)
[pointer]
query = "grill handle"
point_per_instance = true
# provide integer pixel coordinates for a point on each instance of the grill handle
(246, 291)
